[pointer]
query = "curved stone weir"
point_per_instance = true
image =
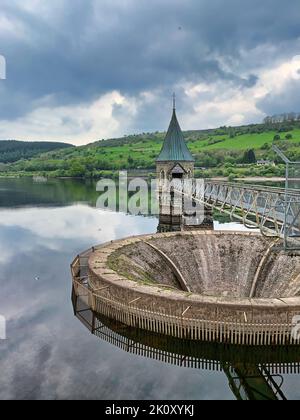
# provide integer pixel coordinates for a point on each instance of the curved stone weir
(214, 286)
(234, 265)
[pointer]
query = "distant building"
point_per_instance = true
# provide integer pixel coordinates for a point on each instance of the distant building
(265, 163)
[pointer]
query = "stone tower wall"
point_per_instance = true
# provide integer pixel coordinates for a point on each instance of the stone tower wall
(164, 169)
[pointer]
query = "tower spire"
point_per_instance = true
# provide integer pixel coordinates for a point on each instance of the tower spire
(174, 147)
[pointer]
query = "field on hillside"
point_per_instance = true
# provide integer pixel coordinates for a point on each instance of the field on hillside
(217, 152)
(245, 141)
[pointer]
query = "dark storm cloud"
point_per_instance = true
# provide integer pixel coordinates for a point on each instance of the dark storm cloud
(73, 51)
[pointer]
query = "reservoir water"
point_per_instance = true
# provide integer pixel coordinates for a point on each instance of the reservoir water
(47, 353)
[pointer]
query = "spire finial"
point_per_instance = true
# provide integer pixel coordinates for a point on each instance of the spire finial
(174, 101)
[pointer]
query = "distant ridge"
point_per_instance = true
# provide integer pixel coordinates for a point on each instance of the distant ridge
(14, 150)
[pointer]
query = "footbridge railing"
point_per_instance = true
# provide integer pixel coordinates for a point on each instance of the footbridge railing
(270, 209)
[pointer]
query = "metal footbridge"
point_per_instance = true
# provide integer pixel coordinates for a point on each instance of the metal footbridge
(275, 211)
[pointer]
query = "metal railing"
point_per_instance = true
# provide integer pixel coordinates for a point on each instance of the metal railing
(95, 294)
(272, 210)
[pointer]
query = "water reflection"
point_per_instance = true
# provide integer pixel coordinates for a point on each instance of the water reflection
(24, 192)
(253, 373)
(48, 354)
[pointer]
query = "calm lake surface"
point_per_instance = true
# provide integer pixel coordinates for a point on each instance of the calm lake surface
(48, 353)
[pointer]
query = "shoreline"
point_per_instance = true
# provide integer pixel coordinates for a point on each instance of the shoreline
(225, 179)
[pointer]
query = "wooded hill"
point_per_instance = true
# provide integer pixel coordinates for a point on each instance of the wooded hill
(12, 150)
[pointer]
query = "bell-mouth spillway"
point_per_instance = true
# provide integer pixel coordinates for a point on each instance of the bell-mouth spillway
(232, 287)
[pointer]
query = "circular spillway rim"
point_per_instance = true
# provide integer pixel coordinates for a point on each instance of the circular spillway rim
(180, 314)
(98, 266)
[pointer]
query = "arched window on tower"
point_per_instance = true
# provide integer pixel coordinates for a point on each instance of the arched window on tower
(178, 172)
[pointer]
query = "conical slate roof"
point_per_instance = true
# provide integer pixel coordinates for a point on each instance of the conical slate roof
(175, 148)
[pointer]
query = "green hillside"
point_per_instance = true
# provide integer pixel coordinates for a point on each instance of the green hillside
(222, 152)
(249, 141)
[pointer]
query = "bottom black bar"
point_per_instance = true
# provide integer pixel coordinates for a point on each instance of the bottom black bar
(140, 409)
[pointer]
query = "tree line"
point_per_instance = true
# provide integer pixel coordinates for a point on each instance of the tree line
(13, 150)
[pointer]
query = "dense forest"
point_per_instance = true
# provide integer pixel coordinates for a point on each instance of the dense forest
(12, 150)
(225, 151)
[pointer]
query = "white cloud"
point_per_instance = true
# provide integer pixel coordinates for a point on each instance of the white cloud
(12, 28)
(220, 104)
(224, 103)
(2, 67)
(74, 223)
(77, 124)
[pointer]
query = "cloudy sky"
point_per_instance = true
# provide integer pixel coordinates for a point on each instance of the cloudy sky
(83, 70)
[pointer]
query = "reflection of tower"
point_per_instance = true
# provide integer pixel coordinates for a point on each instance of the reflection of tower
(170, 211)
(175, 164)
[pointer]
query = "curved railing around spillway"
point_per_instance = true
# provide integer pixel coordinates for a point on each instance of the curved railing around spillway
(99, 295)
(186, 353)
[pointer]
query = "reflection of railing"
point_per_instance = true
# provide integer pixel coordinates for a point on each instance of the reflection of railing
(253, 373)
(143, 350)
(99, 296)
(185, 353)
